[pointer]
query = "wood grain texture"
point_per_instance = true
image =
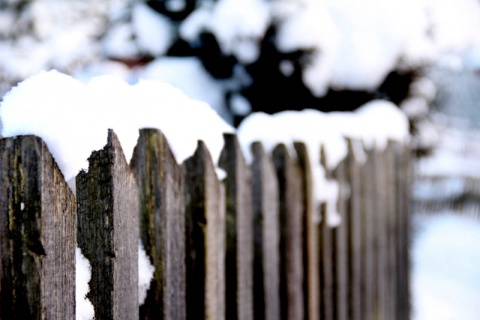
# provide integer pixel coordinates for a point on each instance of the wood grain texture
(340, 243)
(37, 233)
(108, 210)
(291, 228)
(403, 183)
(354, 230)
(310, 220)
(266, 236)
(205, 235)
(239, 231)
(162, 224)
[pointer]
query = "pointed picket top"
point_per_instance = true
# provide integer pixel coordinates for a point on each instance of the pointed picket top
(291, 228)
(107, 199)
(162, 224)
(205, 236)
(239, 232)
(266, 235)
(354, 228)
(37, 233)
(310, 236)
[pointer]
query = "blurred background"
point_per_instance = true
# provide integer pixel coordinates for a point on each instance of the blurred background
(244, 56)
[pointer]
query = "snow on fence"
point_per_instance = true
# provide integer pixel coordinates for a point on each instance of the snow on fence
(249, 246)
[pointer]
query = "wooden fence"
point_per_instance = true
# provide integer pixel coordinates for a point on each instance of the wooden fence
(242, 248)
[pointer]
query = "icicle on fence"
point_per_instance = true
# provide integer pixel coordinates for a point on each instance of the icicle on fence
(248, 247)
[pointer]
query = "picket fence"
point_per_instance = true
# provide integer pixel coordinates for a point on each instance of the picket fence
(247, 247)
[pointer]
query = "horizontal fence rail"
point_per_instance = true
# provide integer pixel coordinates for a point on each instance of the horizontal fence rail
(255, 245)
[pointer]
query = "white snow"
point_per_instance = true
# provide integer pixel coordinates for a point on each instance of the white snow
(374, 124)
(73, 118)
(311, 28)
(240, 105)
(238, 26)
(83, 273)
(154, 32)
(446, 264)
(188, 75)
(145, 273)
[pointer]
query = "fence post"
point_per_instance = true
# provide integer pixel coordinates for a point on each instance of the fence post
(107, 199)
(239, 231)
(310, 220)
(291, 255)
(266, 236)
(205, 237)
(162, 224)
(37, 233)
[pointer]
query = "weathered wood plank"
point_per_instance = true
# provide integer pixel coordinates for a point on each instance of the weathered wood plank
(326, 266)
(380, 230)
(403, 178)
(340, 242)
(327, 262)
(354, 229)
(392, 230)
(266, 236)
(162, 224)
(107, 199)
(239, 231)
(311, 283)
(291, 257)
(368, 238)
(37, 233)
(205, 236)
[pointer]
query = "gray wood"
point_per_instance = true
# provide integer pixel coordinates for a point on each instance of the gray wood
(354, 231)
(379, 174)
(205, 237)
(311, 283)
(291, 257)
(107, 199)
(392, 230)
(37, 233)
(368, 237)
(340, 242)
(326, 267)
(162, 224)
(239, 231)
(403, 179)
(266, 236)
(327, 262)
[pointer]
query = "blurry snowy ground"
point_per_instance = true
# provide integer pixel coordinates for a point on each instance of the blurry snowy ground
(445, 253)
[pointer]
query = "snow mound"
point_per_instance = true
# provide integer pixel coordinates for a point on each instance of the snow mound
(73, 118)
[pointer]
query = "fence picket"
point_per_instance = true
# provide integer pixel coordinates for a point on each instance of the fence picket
(205, 237)
(239, 231)
(354, 230)
(380, 232)
(311, 283)
(291, 257)
(340, 242)
(107, 212)
(266, 236)
(37, 233)
(162, 224)
(403, 181)
(327, 262)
